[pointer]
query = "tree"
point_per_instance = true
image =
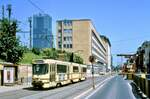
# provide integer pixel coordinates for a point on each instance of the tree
(10, 50)
(36, 51)
(50, 53)
(78, 59)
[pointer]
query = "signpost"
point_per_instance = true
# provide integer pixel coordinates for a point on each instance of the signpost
(92, 60)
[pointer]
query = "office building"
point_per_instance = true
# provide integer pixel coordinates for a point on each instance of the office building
(107, 45)
(42, 31)
(80, 36)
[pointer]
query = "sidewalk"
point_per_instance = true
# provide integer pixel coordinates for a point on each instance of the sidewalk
(12, 88)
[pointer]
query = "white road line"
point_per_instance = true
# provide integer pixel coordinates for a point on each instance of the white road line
(98, 85)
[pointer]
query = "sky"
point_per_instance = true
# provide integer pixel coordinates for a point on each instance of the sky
(125, 22)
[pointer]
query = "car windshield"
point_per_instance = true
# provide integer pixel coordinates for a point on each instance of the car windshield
(39, 69)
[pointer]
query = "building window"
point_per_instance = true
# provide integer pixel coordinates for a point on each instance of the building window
(70, 38)
(59, 46)
(64, 45)
(70, 45)
(67, 45)
(64, 38)
(59, 38)
(67, 22)
(67, 38)
(67, 30)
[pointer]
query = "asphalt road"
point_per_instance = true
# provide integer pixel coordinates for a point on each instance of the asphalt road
(116, 88)
(66, 92)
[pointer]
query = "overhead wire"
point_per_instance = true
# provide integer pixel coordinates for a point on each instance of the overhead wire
(36, 6)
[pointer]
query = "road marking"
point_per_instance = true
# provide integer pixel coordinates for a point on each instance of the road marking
(98, 85)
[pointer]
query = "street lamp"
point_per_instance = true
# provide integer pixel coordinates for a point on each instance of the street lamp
(92, 60)
(30, 25)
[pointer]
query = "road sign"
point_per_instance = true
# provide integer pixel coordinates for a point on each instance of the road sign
(92, 59)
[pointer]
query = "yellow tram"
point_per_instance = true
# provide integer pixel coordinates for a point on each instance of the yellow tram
(50, 73)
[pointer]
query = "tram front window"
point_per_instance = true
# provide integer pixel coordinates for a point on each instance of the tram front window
(39, 69)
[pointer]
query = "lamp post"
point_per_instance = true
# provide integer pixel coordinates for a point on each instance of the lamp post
(92, 60)
(30, 25)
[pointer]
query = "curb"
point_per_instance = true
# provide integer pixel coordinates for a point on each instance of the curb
(139, 92)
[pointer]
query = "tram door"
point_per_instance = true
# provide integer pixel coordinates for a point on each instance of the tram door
(52, 72)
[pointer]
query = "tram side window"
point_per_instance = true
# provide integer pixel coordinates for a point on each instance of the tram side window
(75, 69)
(61, 68)
(83, 69)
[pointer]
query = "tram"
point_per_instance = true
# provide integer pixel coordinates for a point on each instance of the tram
(53, 73)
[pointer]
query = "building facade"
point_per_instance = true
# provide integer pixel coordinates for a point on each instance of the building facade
(146, 55)
(81, 37)
(107, 45)
(42, 31)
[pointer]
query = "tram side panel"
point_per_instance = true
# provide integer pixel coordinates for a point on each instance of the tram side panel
(75, 73)
(62, 74)
(83, 72)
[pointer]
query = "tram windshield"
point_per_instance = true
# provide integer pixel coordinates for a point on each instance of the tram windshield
(39, 69)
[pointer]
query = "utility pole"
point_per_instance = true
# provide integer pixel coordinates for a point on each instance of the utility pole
(30, 25)
(9, 11)
(3, 13)
(92, 60)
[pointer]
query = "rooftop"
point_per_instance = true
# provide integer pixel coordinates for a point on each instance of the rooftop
(75, 20)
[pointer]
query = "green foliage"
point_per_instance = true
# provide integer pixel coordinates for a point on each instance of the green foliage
(36, 51)
(26, 49)
(62, 55)
(67, 56)
(78, 59)
(10, 50)
(29, 56)
(50, 53)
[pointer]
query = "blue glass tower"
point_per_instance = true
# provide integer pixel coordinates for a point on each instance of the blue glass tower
(42, 31)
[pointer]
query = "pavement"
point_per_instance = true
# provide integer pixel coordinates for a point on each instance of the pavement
(4, 89)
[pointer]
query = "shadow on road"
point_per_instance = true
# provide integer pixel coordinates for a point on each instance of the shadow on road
(45, 89)
(38, 89)
(51, 88)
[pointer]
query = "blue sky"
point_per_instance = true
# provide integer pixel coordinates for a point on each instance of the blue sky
(125, 22)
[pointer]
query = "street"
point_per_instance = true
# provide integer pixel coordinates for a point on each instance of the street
(66, 92)
(116, 88)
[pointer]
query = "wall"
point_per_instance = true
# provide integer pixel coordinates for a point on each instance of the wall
(25, 73)
(81, 39)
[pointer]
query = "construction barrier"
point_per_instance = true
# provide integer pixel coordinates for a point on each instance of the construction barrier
(129, 76)
(143, 84)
